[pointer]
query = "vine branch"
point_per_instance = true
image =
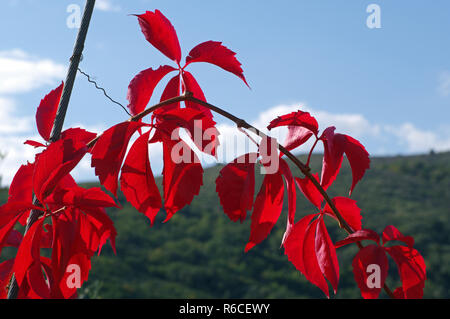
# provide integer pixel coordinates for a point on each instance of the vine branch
(305, 169)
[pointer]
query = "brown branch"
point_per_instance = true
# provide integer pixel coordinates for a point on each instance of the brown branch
(187, 96)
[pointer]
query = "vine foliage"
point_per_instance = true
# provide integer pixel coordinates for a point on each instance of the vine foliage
(73, 225)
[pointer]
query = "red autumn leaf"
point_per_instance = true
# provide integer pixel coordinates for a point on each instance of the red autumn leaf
(292, 197)
(299, 118)
(46, 112)
(54, 163)
(137, 182)
(357, 157)
(293, 246)
(392, 233)
(102, 225)
(363, 234)
(5, 276)
(191, 85)
(158, 30)
(69, 248)
(266, 209)
(310, 191)
(10, 213)
(171, 90)
(335, 146)
(332, 158)
(182, 175)
(348, 209)
(33, 143)
(215, 53)
(235, 186)
(311, 264)
(14, 239)
(109, 151)
(268, 150)
(39, 289)
(78, 134)
(201, 128)
(370, 269)
(412, 270)
(29, 251)
(141, 87)
(326, 255)
(10, 210)
(80, 197)
(301, 126)
(21, 188)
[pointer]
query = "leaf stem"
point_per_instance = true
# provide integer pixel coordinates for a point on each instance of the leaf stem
(310, 152)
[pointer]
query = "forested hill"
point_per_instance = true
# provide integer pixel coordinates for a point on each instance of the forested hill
(199, 253)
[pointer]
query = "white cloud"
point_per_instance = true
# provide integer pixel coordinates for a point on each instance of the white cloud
(107, 5)
(379, 138)
(21, 72)
(9, 123)
(444, 84)
(419, 141)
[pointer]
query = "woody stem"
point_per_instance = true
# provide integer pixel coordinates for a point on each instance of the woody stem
(187, 96)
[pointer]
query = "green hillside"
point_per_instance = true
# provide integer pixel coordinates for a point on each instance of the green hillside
(199, 253)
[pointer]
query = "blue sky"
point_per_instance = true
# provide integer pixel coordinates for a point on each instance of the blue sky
(389, 87)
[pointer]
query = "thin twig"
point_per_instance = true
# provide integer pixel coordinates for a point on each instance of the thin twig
(103, 90)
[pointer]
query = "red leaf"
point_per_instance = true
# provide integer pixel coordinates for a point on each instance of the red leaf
(293, 246)
(68, 248)
(335, 146)
(80, 197)
(363, 234)
(301, 126)
(33, 143)
(201, 128)
(39, 288)
(54, 163)
(332, 157)
(109, 151)
(191, 85)
(158, 30)
(29, 251)
(370, 269)
(215, 53)
(10, 210)
(21, 188)
(182, 175)
(292, 197)
(357, 157)
(312, 269)
(412, 270)
(348, 209)
(6, 229)
(296, 119)
(10, 214)
(267, 208)
(326, 255)
(5, 276)
(14, 238)
(268, 150)
(171, 90)
(103, 226)
(78, 134)
(141, 87)
(46, 112)
(310, 191)
(137, 182)
(235, 186)
(392, 233)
